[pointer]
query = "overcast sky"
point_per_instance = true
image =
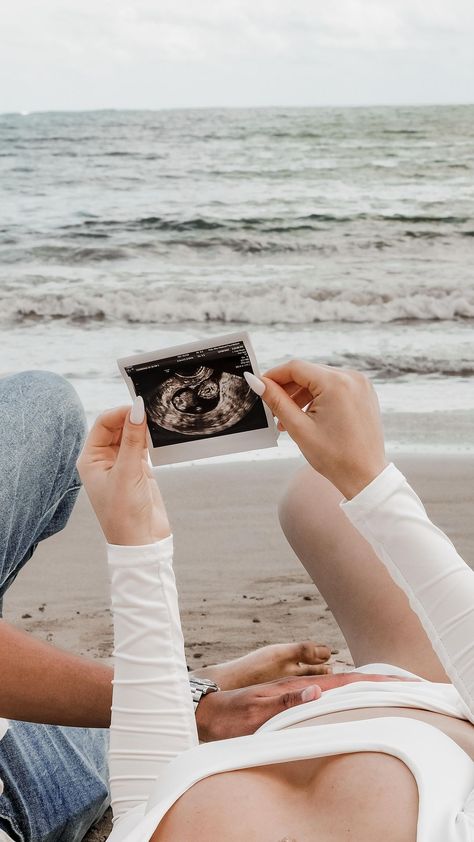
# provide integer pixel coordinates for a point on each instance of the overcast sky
(78, 54)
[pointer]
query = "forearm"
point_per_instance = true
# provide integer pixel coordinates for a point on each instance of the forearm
(152, 714)
(40, 683)
(425, 564)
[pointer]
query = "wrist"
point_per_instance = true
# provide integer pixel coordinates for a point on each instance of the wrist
(352, 482)
(119, 539)
(135, 535)
(205, 721)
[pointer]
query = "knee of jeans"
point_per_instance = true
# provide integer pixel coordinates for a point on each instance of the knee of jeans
(54, 399)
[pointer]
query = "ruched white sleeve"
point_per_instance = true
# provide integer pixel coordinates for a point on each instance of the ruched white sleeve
(152, 709)
(424, 563)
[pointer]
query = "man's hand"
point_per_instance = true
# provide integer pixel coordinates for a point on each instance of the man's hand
(235, 713)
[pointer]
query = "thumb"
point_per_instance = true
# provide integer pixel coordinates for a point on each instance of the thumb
(282, 406)
(294, 698)
(133, 441)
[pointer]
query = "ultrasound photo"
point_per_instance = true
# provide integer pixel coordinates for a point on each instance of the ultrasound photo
(199, 395)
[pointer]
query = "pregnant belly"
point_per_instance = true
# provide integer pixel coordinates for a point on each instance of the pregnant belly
(350, 796)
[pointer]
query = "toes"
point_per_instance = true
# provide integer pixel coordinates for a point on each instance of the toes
(312, 653)
(313, 669)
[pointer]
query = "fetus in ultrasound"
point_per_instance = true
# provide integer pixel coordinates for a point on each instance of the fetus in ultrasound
(198, 400)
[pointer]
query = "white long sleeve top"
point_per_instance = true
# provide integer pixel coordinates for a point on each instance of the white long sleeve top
(425, 564)
(152, 714)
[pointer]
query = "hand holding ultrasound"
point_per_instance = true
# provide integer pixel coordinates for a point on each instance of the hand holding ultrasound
(118, 479)
(197, 401)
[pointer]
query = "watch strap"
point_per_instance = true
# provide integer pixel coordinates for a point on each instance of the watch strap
(201, 687)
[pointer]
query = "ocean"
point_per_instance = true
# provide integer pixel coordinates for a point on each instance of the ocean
(341, 235)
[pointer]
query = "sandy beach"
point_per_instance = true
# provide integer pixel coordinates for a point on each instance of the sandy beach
(240, 585)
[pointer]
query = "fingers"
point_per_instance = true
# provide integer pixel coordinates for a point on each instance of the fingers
(293, 698)
(107, 428)
(289, 388)
(281, 686)
(310, 659)
(310, 376)
(313, 669)
(103, 438)
(308, 652)
(284, 408)
(298, 394)
(133, 443)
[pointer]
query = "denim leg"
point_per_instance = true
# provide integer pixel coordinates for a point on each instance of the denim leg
(55, 779)
(42, 428)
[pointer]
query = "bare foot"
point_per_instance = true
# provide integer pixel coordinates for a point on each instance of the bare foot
(268, 663)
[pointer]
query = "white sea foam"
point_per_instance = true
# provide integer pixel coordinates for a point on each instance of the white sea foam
(247, 303)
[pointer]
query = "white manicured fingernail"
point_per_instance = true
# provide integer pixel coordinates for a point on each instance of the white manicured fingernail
(137, 412)
(257, 385)
(308, 694)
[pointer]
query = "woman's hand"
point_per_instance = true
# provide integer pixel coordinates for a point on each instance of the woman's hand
(118, 479)
(340, 432)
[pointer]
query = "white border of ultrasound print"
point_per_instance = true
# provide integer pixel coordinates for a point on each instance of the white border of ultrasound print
(203, 448)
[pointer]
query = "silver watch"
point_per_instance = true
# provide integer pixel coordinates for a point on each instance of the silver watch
(201, 687)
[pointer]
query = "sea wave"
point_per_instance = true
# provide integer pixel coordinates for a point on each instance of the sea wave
(390, 366)
(245, 303)
(107, 240)
(263, 223)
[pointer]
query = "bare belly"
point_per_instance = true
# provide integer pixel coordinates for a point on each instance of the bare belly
(326, 799)
(320, 800)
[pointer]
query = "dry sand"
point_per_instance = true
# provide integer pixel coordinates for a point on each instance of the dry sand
(240, 584)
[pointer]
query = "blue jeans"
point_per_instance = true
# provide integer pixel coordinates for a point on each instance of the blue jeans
(55, 777)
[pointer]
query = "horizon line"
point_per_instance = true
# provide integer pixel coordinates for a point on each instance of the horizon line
(28, 112)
